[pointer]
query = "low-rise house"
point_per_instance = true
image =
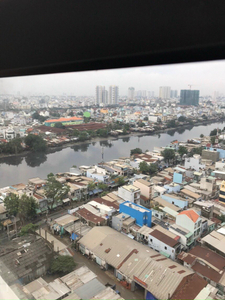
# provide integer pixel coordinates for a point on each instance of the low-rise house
(89, 218)
(98, 174)
(129, 193)
(172, 188)
(207, 264)
(131, 261)
(176, 200)
(190, 220)
(215, 240)
(37, 182)
(145, 187)
(142, 215)
(25, 259)
(186, 237)
(190, 194)
(211, 154)
(194, 162)
(164, 241)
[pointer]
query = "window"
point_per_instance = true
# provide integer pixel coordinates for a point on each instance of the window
(150, 240)
(165, 248)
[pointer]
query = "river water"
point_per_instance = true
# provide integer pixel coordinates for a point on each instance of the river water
(18, 169)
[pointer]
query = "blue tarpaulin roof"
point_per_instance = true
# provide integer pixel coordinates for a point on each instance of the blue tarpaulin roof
(74, 236)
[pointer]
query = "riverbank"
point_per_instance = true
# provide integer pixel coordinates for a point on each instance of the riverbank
(113, 138)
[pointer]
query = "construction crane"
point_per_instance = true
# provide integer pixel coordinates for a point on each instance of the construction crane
(190, 85)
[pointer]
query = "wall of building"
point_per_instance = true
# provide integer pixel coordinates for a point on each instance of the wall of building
(209, 154)
(160, 246)
(177, 177)
(177, 202)
(193, 163)
(220, 151)
(145, 190)
(142, 217)
(172, 188)
(183, 239)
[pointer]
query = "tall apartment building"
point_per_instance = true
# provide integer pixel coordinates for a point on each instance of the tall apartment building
(131, 93)
(222, 192)
(113, 94)
(164, 92)
(189, 97)
(101, 95)
(173, 94)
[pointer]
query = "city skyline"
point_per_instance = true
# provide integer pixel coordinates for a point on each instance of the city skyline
(207, 77)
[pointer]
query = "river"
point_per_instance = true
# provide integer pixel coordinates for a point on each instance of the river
(19, 169)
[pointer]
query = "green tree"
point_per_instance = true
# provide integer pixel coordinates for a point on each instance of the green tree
(11, 203)
(27, 208)
(168, 154)
(83, 136)
(103, 132)
(135, 151)
(213, 140)
(201, 135)
(59, 125)
(153, 169)
(141, 124)
(197, 150)
(76, 132)
(12, 147)
(213, 132)
(171, 124)
(29, 228)
(120, 180)
(144, 167)
(55, 191)
(182, 150)
(145, 118)
(35, 143)
(62, 264)
(86, 120)
(91, 186)
(102, 186)
(182, 119)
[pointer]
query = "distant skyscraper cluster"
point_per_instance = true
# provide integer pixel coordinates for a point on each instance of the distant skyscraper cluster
(164, 92)
(189, 97)
(103, 97)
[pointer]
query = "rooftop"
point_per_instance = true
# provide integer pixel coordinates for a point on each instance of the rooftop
(191, 214)
(157, 273)
(164, 238)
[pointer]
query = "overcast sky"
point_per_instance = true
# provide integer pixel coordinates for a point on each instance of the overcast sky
(206, 77)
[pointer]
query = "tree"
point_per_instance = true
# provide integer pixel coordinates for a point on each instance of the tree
(83, 136)
(91, 186)
(144, 167)
(182, 119)
(141, 124)
(76, 132)
(62, 264)
(153, 168)
(213, 139)
(201, 135)
(29, 228)
(27, 208)
(135, 151)
(102, 186)
(213, 132)
(145, 118)
(55, 191)
(171, 124)
(102, 132)
(35, 143)
(182, 150)
(120, 180)
(11, 203)
(12, 147)
(168, 154)
(71, 114)
(59, 125)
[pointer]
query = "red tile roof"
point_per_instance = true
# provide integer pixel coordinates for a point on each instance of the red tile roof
(87, 215)
(191, 214)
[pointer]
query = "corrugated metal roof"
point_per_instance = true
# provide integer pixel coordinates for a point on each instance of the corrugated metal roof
(90, 289)
(134, 259)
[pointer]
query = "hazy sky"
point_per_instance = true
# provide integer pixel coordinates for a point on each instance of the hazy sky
(207, 77)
